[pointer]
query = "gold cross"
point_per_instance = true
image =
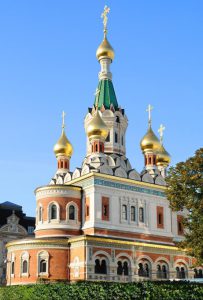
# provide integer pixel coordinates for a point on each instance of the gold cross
(63, 119)
(161, 132)
(149, 109)
(104, 17)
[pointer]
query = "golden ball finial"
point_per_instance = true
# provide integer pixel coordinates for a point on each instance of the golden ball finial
(96, 128)
(105, 50)
(63, 147)
(149, 142)
(163, 157)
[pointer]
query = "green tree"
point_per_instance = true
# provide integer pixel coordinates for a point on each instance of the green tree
(185, 190)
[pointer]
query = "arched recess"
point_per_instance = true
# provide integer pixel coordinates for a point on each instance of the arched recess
(181, 269)
(51, 216)
(43, 263)
(162, 268)
(72, 214)
(144, 266)
(124, 264)
(101, 262)
(24, 263)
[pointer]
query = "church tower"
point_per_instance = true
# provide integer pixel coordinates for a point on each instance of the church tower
(105, 98)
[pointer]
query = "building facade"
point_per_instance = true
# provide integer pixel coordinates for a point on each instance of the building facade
(14, 224)
(104, 220)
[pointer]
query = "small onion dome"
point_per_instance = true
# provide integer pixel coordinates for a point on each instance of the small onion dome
(96, 128)
(163, 157)
(149, 141)
(63, 147)
(105, 50)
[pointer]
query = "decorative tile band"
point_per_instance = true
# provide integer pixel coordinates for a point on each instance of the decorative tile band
(121, 186)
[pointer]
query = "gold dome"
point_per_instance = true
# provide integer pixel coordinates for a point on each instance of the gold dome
(96, 128)
(150, 141)
(105, 50)
(163, 157)
(63, 146)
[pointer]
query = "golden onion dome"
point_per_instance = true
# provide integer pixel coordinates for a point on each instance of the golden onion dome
(150, 141)
(63, 147)
(96, 128)
(163, 157)
(105, 50)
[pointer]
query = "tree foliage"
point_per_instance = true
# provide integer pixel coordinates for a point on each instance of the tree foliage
(105, 291)
(185, 191)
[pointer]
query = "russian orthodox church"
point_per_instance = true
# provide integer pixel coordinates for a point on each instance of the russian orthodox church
(104, 220)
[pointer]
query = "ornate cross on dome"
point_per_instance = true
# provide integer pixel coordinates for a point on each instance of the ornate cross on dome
(161, 132)
(149, 109)
(63, 119)
(104, 17)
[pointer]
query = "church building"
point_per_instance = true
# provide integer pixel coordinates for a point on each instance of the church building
(104, 220)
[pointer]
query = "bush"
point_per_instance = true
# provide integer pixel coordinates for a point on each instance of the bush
(105, 291)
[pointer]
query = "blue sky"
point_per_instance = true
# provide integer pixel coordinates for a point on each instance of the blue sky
(48, 64)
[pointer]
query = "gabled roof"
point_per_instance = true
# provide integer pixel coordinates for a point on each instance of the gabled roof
(8, 204)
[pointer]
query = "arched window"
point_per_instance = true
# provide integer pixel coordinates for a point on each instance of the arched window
(96, 147)
(178, 272)
(164, 272)
(122, 140)
(158, 272)
(141, 214)
(103, 267)
(71, 212)
(124, 212)
(144, 270)
(119, 268)
(53, 212)
(132, 214)
(182, 272)
(43, 263)
(43, 266)
(140, 270)
(125, 268)
(97, 266)
(100, 266)
(25, 266)
(12, 268)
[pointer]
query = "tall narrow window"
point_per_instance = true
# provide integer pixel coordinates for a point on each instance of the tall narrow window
(25, 266)
(53, 212)
(132, 214)
(12, 267)
(116, 137)
(160, 217)
(105, 208)
(141, 214)
(40, 213)
(43, 266)
(124, 212)
(71, 212)
(122, 141)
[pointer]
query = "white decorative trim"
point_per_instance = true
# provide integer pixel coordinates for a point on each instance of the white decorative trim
(57, 192)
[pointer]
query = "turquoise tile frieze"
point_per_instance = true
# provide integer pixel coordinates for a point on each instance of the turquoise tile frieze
(97, 181)
(127, 187)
